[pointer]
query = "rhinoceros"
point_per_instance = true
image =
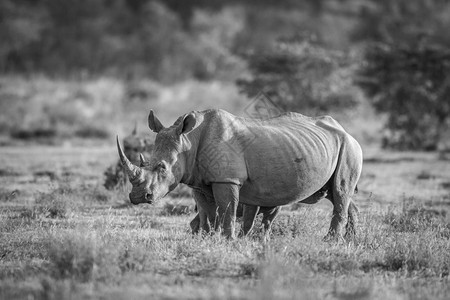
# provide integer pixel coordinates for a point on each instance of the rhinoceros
(258, 162)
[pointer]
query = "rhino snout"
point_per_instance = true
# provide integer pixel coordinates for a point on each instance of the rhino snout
(133, 200)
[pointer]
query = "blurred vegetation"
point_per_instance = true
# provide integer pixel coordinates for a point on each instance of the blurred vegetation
(406, 72)
(411, 85)
(310, 56)
(302, 76)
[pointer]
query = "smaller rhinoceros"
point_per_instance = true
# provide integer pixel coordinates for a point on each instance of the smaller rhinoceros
(134, 145)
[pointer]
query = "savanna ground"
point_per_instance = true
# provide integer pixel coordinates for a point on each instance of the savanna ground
(63, 236)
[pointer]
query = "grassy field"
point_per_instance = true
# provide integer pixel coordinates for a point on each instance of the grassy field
(63, 236)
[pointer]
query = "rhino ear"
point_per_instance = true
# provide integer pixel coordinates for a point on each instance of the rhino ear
(188, 123)
(153, 123)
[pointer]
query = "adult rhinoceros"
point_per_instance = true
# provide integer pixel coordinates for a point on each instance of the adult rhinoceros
(269, 163)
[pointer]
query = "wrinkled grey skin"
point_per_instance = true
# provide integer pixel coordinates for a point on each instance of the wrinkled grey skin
(268, 163)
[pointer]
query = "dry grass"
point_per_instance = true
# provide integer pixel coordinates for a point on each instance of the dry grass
(65, 237)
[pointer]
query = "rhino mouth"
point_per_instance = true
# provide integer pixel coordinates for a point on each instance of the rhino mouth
(141, 202)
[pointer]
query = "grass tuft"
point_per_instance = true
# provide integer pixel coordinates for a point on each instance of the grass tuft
(414, 254)
(288, 226)
(176, 209)
(414, 218)
(52, 205)
(8, 195)
(72, 256)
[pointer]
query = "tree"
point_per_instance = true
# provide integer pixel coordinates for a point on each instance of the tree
(303, 77)
(411, 85)
(405, 74)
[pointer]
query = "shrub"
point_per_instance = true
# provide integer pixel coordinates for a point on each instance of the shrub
(115, 177)
(34, 134)
(409, 83)
(302, 76)
(92, 132)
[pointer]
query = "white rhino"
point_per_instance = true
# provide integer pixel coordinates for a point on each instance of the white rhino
(272, 162)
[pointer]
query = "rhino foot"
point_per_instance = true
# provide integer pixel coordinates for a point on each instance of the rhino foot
(195, 224)
(332, 237)
(350, 235)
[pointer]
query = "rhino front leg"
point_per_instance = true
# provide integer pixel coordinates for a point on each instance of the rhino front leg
(200, 222)
(226, 196)
(206, 211)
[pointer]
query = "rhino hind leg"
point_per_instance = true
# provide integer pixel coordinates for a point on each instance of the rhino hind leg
(345, 178)
(352, 218)
(269, 215)
(248, 216)
(352, 222)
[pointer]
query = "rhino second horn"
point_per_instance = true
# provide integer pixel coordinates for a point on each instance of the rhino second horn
(142, 159)
(134, 172)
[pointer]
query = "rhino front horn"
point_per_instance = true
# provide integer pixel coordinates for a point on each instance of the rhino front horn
(133, 172)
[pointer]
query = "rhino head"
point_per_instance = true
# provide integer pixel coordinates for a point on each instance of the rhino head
(154, 179)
